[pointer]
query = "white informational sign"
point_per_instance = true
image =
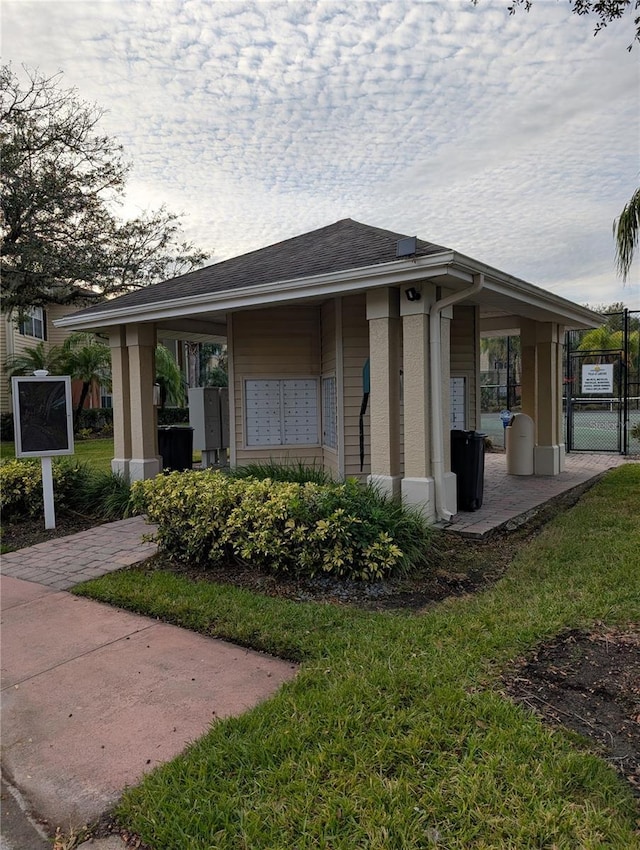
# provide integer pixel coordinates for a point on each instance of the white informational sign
(598, 379)
(43, 424)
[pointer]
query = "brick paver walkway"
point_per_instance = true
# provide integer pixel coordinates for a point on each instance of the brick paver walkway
(65, 561)
(510, 499)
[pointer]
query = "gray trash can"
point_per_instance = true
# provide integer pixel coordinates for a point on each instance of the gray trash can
(519, 444)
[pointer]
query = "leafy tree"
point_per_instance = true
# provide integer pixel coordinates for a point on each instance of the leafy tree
(500, 349)
(88, 359)
(169, 378)
(36, 357)
(609, 337)
(61, 179)
(613, 316)
(213, 365)
(603, 11)
(216, 377)
(603, 338)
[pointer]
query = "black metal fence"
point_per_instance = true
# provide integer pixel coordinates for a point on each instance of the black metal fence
(602, 383)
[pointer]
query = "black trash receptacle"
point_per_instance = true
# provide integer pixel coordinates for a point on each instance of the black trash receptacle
(175, 444)
(467, 461)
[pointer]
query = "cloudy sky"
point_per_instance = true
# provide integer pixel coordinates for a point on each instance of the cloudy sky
(513, 139)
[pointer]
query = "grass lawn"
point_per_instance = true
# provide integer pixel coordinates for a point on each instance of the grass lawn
(395, 733)
(97, 452)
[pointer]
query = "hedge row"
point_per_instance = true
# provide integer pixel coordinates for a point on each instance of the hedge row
(76, 486)
(99, 420)
(212, 519)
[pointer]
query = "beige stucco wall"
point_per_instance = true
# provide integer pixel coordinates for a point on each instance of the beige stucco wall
(314, 342)
(12, 342)
(282, 342)
(305, 342)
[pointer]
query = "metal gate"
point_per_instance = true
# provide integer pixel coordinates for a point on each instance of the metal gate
(603, 386)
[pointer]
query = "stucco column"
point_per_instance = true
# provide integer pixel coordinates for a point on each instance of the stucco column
(549, 452)
(141, 343)
(121, 402)
(417, 485)
(383, 315)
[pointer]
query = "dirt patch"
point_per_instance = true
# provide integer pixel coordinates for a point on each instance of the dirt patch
(589, 682)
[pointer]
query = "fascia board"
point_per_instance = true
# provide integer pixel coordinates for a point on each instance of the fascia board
(527, 293)
(335, 283)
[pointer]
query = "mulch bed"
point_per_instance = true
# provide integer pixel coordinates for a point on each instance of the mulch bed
(19, 535)
(588, 682)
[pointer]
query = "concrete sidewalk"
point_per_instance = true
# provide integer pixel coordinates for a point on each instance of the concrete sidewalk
(94, 697)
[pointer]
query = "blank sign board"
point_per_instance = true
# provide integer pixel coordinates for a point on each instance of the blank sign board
(43, 416)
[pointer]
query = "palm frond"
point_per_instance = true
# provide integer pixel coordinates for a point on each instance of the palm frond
(626, 229)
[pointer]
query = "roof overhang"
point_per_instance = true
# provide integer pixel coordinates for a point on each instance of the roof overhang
(507, 295)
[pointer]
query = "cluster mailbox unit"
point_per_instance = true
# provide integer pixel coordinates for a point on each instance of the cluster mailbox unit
(209, 418)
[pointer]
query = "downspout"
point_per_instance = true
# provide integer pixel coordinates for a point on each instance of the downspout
(437, 436)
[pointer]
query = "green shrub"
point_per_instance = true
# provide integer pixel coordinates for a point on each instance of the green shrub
(301, 473)
(95, 419)
(77, 486)
(6, 427)
(21, 486)
(173, 415)
(347, 530)
(104, 495)
(20, 489)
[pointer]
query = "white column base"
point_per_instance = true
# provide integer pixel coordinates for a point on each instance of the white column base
(420, 493)
(548, 460)
(389, 485)
(142, 468)
(450, 495)
(120, 466)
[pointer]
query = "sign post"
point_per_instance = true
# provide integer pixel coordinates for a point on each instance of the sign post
(43, 421)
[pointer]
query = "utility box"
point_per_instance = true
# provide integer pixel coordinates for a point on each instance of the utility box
(519, 444)
(209, 418)
(467, 462)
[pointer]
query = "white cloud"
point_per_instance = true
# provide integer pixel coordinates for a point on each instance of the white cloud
(511, 138)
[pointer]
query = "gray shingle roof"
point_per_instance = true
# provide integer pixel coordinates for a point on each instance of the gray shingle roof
(347, 244)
